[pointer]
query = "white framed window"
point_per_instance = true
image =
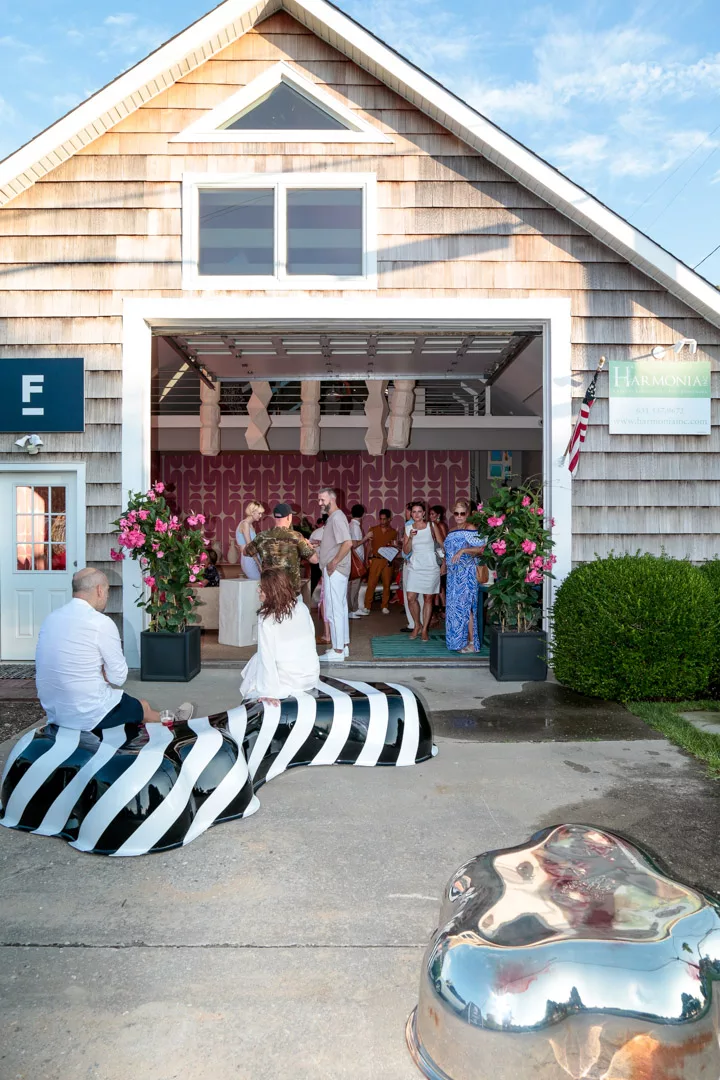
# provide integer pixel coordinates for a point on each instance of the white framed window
(281, 106)
(279, 231)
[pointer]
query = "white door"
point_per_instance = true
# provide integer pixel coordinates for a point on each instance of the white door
(37, 554)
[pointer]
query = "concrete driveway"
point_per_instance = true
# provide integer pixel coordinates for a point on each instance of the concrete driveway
(289, 944)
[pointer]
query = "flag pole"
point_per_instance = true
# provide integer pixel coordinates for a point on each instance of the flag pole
(598, 369)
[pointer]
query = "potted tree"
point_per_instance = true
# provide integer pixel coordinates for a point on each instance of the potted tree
(519, 550)
(172, 555)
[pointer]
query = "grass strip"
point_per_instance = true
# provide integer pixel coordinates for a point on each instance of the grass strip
(665, 717)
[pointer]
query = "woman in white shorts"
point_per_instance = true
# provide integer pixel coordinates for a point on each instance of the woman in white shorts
(423, 575)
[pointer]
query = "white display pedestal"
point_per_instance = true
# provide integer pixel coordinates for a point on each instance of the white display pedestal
(238, 612)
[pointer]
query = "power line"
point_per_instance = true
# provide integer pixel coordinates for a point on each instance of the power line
(706, 257)
(677, 168)
(680, 191)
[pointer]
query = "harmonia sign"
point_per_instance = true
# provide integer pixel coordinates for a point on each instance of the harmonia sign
(42, 395)
(658, 397)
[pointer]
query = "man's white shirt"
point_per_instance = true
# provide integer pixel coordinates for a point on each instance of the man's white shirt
(75, 644)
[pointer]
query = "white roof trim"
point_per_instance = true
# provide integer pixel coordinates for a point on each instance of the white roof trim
(209, 128)
(217, 29)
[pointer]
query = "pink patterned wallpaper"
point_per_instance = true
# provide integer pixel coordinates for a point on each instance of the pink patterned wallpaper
(220, 486)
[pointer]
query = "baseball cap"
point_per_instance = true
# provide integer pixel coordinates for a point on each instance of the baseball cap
(282, 510)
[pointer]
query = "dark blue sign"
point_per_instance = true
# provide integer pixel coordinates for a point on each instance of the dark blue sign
(42, 395)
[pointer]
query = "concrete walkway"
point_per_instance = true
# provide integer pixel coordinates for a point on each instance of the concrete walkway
(290, 944)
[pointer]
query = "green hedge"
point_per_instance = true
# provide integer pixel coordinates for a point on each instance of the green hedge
(636, 628)
(712, 572)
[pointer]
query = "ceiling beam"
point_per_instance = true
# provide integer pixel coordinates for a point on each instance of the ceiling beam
(507, 356)
(188, 359)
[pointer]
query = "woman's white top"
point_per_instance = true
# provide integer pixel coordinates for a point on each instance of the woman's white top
(423, 571)
(249, 567)
(286, 659)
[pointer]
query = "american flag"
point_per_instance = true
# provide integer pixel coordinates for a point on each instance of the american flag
(578, 436)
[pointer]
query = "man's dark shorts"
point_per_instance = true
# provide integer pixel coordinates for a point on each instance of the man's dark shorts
(127, 711)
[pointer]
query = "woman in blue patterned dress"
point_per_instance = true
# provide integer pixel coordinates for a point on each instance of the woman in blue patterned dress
(463, 547)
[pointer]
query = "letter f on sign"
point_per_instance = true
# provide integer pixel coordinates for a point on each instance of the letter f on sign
(32, 384)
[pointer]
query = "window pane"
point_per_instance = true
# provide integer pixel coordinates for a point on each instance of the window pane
(285, 109)
(237, 232)
(57, 500)
(41, 500)
(24, 557)
(58, 529)
(325, 232)
(59, 558)
(23, 500)
(24, 528)
(42, 557)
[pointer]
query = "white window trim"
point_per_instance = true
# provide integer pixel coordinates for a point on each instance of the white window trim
(209, 128)
(193, 281)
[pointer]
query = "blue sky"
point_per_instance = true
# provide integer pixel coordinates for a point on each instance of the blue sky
(624, 98)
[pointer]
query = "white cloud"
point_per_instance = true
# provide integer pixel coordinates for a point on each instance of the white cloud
(123, 19)
(427, 35)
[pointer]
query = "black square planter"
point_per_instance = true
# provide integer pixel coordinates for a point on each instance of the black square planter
(166, 657)
(518, 657)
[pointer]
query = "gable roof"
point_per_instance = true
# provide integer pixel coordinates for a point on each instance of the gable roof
(230, 20)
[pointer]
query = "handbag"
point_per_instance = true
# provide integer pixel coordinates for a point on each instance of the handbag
(439, 549)
(483, 574)
(358, 569)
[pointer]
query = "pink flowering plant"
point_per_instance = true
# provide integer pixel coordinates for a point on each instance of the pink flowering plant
(519, 550)
(171, 554)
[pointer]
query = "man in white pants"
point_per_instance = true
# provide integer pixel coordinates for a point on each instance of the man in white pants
(334, 556)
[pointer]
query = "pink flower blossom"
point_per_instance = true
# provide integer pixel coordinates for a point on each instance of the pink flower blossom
(124, 524)
(201, 518)
(116, 556)
(203, 556)
(195, 569)
(552, 523)
(151, 496)
(193, 578)
(132, 538)
(191, 521)
(528, 546)
(539, 511)
(154, 545)
(479, 506)
(499, 547)
(493, 522)
(533, 578)
(538, 561)
(149, 580)
(550, 562)
(526, 500)
(201, 584)
(132, 516)
(161, 526)
(143, 514)
(161, 554)
(159, 487)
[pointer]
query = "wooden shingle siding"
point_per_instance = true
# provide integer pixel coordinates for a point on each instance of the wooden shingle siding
(105, 225)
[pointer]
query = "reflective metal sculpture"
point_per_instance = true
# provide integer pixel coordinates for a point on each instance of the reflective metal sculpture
(133, 790)
(570, 956)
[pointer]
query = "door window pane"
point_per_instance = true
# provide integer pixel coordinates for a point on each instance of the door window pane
(36, 529)
(237, 232)
(285, 109)
(325, 232)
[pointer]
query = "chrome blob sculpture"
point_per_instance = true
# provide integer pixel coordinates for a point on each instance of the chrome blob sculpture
(571, 956)
(133, 790)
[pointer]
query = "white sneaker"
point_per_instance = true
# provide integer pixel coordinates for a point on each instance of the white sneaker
(346, 651)
(386, 611)
(355, 615)
(332, 657)
(362, 611)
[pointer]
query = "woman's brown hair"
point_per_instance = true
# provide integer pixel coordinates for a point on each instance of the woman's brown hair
(279, 594)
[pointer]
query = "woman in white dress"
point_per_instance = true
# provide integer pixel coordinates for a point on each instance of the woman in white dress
(423, 576)
(245, 532)
(286, 659)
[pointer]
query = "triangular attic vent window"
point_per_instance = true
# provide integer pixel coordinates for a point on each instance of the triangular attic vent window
(285, 109)
(281, 105)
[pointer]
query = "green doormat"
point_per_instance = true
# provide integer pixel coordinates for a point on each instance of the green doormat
(400, 647)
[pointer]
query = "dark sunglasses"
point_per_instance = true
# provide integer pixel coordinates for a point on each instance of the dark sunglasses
(460, 513)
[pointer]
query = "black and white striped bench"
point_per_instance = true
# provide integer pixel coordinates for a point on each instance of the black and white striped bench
(133, 790)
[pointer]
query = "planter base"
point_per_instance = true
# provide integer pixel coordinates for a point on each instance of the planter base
(166, 657)
(518, 657)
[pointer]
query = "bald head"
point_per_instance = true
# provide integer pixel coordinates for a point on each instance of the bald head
(92, 586)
